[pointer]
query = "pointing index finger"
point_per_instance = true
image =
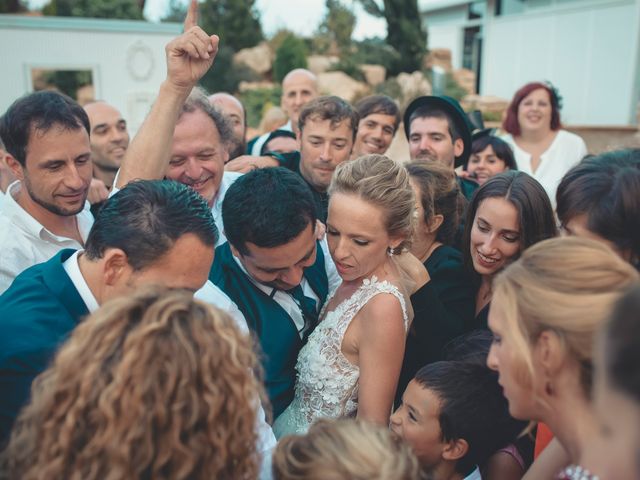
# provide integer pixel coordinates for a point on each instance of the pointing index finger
(192, 15)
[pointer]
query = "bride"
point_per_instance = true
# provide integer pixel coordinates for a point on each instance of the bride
(351, 362)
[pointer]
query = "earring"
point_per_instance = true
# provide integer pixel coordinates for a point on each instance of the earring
(391, 251)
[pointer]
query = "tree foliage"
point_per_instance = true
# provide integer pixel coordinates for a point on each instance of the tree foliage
(225, 76)
(404, 31)
(120, 9)
(12, 6)
(292, 53)
(337, 26)
(236, 22)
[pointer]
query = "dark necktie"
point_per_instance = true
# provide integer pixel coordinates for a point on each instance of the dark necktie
(308, 308)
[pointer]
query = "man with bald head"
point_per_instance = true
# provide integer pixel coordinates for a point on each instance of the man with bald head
(109, 140)
(234, 112)
(299, 87)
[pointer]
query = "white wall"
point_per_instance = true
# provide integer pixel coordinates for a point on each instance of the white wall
(445, 29)
(126, 57)
(590, 50)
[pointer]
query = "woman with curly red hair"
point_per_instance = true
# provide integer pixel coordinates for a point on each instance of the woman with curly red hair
(155, 385)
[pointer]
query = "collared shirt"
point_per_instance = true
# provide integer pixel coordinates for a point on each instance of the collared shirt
(216, 209)
(286, 300)
(211, 294)
(72, 268)
(2, 195)
(24, 242)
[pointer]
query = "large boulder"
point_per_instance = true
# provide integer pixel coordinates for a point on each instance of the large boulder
(342, 85)
(374, 74)
(439, 57)
(258, 58)
(321, 63)
(413, 85)
(466, 79)
(487, 104)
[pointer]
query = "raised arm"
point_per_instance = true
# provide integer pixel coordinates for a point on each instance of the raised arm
(380, 352)
(189, 56)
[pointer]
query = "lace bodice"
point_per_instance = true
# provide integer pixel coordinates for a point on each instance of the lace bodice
(327, 382)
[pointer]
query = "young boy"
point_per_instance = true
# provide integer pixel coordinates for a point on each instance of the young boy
(454, 416)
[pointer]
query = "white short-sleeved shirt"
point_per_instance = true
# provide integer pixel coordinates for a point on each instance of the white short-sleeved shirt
(566, 150)
(24, 242)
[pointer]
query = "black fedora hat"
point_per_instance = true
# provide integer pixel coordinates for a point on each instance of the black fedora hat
(453, 109)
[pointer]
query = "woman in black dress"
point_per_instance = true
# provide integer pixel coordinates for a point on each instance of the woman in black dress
(444, 306)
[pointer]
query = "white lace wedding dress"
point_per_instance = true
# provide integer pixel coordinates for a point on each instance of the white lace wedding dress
(327, 383)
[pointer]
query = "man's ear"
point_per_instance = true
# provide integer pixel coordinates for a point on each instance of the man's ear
(299, 139)
(15, 166)
(235, 251)
(458, 147)
(116, 266)
(455, 450)
(436, 223)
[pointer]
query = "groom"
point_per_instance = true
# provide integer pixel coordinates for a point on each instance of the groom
(275, 268)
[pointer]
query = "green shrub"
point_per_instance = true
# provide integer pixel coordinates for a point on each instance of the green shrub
(225, 76)
(257, 102)
(291, 54)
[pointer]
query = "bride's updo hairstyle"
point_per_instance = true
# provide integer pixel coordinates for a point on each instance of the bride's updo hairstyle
(381, 181)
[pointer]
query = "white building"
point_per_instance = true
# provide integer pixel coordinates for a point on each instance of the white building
(126, 58)
(589, 49)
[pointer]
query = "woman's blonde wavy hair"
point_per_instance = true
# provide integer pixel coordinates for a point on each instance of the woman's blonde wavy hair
(344, 449)
(385, 183)
(155, 385)
(567, 285)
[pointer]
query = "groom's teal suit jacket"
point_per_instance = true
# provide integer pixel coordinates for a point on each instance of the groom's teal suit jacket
(37, 313)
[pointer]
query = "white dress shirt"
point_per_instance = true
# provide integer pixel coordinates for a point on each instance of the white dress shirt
(24, 242)
(2, 195)
(211, 294)
(286, 300)
(566, 150)
(72, 268)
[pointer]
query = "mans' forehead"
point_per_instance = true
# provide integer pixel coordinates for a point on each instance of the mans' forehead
(377, 117)
(429, 125)
(327, 128)
(299, 82)
(101, 112)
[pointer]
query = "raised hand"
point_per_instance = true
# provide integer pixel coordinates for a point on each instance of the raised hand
(190, 55)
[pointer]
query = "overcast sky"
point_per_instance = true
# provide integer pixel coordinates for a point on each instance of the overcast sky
(302, 16)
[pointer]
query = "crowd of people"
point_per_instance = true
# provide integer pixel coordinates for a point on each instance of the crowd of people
(185, 304)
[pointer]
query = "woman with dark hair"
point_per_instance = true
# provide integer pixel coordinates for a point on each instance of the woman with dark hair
(542, 149)
(490, 156)
(508, 214)
(443, 307)
(600, 199)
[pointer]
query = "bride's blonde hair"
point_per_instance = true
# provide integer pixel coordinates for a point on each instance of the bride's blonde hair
(384, 183)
